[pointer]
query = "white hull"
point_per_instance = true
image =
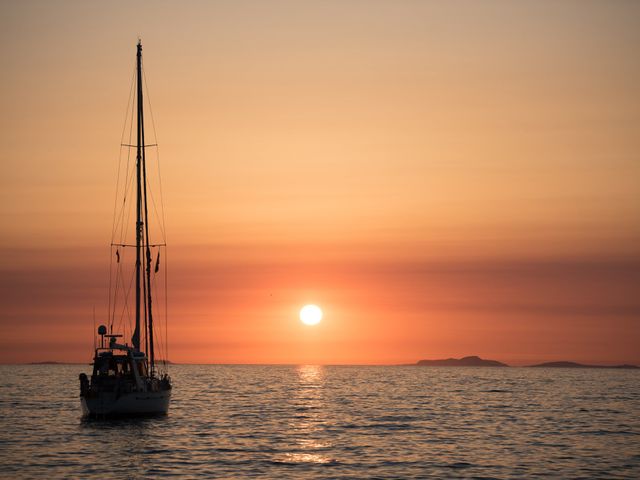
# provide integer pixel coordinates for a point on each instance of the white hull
(135, 403)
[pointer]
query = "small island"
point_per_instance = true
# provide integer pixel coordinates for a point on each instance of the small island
(565, 364)
(472, 361)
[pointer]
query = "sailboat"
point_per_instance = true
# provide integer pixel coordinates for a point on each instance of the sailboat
(125, 379)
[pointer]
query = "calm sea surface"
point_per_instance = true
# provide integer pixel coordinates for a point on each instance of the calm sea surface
(332, 422)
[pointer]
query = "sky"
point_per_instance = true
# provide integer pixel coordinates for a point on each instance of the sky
(441, 178)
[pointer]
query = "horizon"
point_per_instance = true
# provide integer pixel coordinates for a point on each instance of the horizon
(523, 364)
(434, 178)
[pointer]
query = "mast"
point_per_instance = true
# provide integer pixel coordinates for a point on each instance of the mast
(143, 277)
(147, 286)
(135, 340)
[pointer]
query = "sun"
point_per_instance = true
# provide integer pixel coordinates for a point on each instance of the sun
(310, 315)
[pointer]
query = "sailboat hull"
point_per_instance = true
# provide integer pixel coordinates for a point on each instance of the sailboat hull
(135, 403)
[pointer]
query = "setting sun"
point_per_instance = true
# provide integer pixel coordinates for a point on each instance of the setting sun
(310, 314)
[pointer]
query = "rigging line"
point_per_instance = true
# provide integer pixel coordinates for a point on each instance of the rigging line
(155, 137)
(165, 352)
(153, 123)
(162, 340)
(119, 216)
(158, 332)
(128, 170)
(166, 308)
(124, 127)
(124, 186)
(133, 80)
(109, 291)
(127, 186)
(119, 281)
(119, 271)
(124, 223)
(112, 311)
(146, 308)
(152, 286)
(129, 162)
(120, 212)
(164, 234)
(126, 300)
(162, 222)
(158, 219)
(115, 200)
(113, 295)
(120, 227)
(155, 207)
(148, 315)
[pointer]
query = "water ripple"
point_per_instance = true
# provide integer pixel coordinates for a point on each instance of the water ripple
(332, 422)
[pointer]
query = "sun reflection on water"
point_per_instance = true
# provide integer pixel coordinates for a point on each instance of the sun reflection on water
(310, 375)
(307, 458)
(308, 418)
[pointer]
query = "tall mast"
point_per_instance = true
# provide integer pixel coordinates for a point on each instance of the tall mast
(135, 340)
(147, 286)
(142, 229)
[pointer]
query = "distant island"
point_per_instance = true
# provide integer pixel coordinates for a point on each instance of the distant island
(475, 361)
(472, 361)
(578, 365)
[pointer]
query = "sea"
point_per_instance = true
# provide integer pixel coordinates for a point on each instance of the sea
(312, 421)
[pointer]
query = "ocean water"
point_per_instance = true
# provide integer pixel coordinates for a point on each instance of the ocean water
(331, 422)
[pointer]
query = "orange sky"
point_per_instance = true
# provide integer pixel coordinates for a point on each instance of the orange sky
(443, 179)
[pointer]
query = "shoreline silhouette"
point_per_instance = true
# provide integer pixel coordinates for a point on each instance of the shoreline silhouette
(468, 361)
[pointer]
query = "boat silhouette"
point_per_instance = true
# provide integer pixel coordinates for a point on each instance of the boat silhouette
(126, 379)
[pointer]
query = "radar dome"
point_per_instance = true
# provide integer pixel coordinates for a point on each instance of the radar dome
(102, 330)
